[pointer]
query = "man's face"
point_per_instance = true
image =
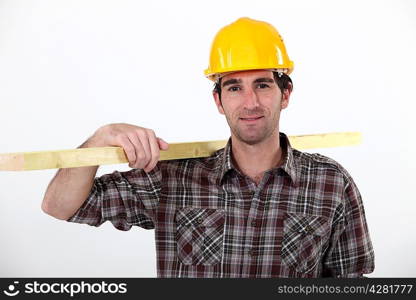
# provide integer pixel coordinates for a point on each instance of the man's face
(251, 101)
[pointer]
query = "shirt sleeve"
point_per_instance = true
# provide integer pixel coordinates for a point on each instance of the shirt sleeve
(123, 198)
(350, 252)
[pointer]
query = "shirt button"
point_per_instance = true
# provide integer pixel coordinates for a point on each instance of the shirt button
(251, 252)
(308, 229)
(199, 220)
(255, 223)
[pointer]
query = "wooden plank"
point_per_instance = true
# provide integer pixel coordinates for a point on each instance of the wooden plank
(83, 157)
(325, 140)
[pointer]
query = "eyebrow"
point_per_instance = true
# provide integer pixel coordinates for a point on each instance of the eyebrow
(264, 79)
(235, 81)
(231, 81)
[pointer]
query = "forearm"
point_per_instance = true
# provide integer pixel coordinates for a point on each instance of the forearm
(70, 187)
(68, 190)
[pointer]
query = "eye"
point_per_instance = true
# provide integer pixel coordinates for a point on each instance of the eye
(263, 85)
(234, 89)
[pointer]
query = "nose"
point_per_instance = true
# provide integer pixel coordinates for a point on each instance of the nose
(250, 99)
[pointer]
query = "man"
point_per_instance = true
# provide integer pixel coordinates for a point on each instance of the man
(257, 208)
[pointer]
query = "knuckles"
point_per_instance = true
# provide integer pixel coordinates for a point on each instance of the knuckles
(124, 135)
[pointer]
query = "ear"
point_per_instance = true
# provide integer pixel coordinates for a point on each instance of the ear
(285, 97)
(218, 102)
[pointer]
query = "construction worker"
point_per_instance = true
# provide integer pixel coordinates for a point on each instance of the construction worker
(256, 208)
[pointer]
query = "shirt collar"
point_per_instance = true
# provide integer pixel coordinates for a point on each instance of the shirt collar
(288, 164)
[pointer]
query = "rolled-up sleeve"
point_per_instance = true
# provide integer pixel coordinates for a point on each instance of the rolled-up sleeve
(350, 253)
(123, 198)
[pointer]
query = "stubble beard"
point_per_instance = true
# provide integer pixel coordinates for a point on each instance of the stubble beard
(257, 135)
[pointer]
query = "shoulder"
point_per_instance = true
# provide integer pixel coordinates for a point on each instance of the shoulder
(211, 163)
(329, 175)
(319, 163)
(165, 168)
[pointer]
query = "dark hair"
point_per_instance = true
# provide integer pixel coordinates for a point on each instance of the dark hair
(282, 80)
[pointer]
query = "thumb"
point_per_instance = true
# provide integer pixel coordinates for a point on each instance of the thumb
(162, 144)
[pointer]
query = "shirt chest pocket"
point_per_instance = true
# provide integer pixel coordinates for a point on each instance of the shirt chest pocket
(199, 235)
(304, 237)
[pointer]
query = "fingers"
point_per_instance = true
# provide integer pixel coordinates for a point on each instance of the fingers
(154, 149)
(142, 153)
(147, 150)
(128, 148)
(162, 144)
(141, 145)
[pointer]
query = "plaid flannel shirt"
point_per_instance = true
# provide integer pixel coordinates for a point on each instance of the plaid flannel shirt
(304, 219)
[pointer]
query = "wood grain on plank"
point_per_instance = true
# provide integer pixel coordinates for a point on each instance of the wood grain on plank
(83, 157)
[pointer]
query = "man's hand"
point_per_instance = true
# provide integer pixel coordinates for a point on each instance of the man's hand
(141, 145)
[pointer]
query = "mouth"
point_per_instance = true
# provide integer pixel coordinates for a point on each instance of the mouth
(251, 119)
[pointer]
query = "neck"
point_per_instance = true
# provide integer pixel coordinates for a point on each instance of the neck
(255, 160)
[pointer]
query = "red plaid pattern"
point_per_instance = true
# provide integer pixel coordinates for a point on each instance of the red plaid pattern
(199, 234)
(304, 219)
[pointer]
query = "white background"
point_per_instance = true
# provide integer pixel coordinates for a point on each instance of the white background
(69, 67)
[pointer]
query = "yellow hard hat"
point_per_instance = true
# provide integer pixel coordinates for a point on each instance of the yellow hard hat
(247, 44)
